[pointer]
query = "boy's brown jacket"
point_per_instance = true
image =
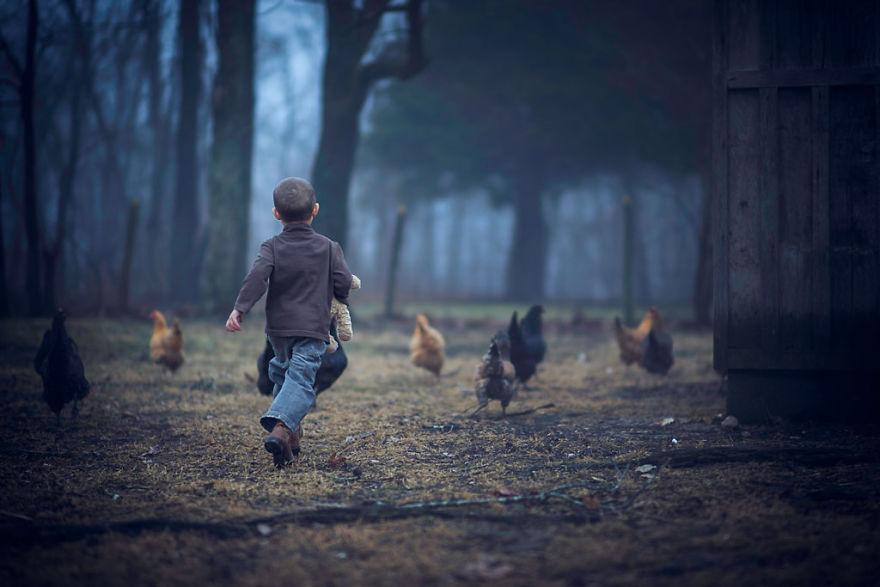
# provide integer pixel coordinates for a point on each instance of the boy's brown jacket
(303, 271)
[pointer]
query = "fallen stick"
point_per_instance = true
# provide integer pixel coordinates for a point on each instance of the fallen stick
(529, 411)
(380, 511)
(809, 456)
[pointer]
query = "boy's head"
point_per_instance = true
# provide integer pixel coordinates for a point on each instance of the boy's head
(294, 200)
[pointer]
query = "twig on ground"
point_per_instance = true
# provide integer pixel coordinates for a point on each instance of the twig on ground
(531, 410)
(351, 441)
(323, 514)
(14, 515)
(818, 457)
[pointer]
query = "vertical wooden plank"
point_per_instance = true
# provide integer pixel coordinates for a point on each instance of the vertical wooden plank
(721, 305)
(768, 34)
(818, 17)
(850, 38)
(744, 217)
(876, 61)
(795, 218)
(744, 35)
(768, 184)
(877, 161)
(794, 42)
(821, 294)
(864, 193)
(850, 109)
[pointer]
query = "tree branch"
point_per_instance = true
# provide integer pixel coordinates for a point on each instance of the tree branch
(387, 65)
(10, 56)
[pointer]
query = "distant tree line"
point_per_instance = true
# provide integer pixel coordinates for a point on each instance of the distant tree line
(127, 139)
(127, 142)
(525, 100)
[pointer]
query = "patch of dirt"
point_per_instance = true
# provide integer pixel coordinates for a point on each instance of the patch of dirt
(627, 478)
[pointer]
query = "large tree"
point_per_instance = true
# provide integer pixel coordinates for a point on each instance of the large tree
(185, 249)
(348, 77)
(229, 177)
(26, 75)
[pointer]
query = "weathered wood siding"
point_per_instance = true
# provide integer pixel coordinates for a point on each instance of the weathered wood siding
(797, 184)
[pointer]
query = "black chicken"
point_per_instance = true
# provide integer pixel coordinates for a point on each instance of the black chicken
(264, 384)
(332, 366)
(527, 346)
(657, 355)
(59, 365)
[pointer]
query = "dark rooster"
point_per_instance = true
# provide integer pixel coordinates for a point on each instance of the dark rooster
(332, 366)
(657, 355)
(59, 365)
(494, 377)
(527, 346)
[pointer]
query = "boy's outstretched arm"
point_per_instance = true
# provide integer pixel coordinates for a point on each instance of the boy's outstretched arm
(253, 287)
(233, 323)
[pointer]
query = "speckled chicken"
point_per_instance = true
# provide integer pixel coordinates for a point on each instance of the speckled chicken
(58, 363)
(494, 377)
(427, 349)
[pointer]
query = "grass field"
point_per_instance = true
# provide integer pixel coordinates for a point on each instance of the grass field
(628, 478)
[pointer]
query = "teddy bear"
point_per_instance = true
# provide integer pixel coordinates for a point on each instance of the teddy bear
(339, 312)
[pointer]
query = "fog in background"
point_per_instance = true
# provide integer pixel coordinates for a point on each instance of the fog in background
(459, 233)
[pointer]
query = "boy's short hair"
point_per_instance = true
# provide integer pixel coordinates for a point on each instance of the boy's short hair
(294, 198)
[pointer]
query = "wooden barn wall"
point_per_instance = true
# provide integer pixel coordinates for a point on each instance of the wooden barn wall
(797, 184)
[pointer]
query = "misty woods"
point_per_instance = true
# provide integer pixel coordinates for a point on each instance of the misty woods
(141, 140)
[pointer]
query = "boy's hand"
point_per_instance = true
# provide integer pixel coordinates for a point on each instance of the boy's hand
(233, 323)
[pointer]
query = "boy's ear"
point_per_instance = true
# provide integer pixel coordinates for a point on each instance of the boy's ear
(315, 209)
(276, 214)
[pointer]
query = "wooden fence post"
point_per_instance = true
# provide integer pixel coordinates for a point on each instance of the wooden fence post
(627, 259)
(396, 241)
(125, 277)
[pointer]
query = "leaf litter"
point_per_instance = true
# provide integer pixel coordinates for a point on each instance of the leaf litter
(396, 477)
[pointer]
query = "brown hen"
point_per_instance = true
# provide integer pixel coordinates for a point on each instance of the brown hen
(427, 347)
(166, 344)
(629, 340)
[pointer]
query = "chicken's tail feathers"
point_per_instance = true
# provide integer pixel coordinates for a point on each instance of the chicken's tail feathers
(619, 332)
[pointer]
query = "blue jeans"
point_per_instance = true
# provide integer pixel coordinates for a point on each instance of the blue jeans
(297, 359)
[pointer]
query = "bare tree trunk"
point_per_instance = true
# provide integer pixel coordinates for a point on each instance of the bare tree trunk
(159, 124)
(527, 264)
(53, 255)
(31, 223)
(184, 280)
(334, 161)
(346, 84)
(231, 153)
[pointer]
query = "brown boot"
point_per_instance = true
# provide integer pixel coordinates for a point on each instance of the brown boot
(279, 444)
(294, 440)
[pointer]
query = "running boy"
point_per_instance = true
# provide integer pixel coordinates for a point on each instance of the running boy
(303, 271)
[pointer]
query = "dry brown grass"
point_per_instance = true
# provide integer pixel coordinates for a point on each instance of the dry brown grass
(188, 448)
